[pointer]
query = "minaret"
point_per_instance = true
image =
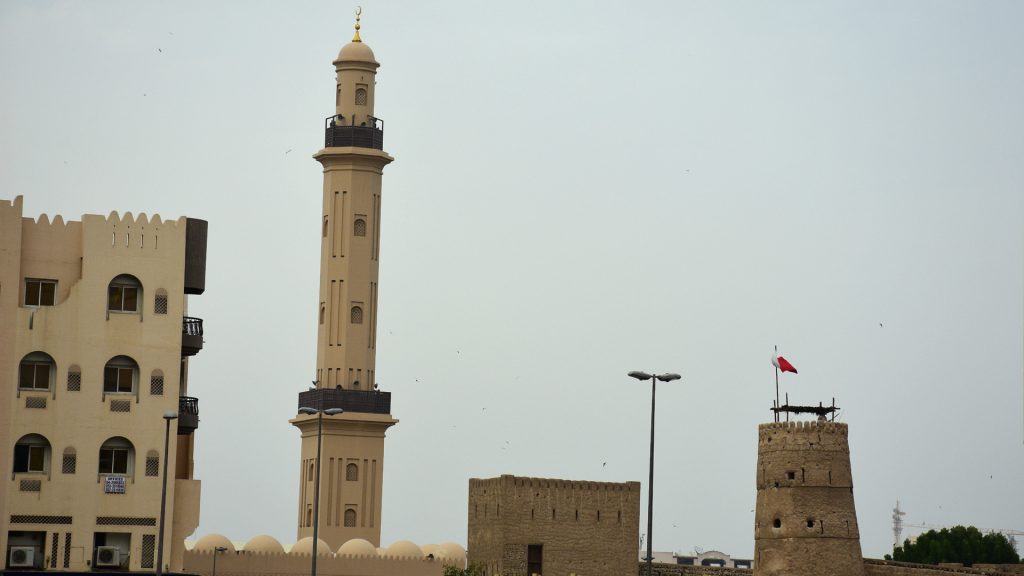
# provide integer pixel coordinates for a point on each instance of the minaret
(352, 460)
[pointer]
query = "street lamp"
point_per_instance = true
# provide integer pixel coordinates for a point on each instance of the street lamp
(316, 483)
(650, 481)
(216, 551)
(168, 416)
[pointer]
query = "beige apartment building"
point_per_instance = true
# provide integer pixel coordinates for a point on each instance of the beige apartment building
(94, 349)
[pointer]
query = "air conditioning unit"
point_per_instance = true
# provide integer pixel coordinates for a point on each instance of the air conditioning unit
(21, 557)
(108, 556)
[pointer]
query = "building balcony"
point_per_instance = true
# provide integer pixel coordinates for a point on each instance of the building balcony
(366, 401)
(338, 134)
(191, 336)
(188, 415)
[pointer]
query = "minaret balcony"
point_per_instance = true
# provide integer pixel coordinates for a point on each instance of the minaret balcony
(366, 401)
(191, 336)
(188, 415)
(367, 135)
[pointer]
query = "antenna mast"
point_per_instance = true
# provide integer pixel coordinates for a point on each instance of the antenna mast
(897, 525)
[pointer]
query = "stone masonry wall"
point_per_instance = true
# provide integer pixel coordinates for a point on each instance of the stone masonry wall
(586, 528)
(805, 520)
(887, 568)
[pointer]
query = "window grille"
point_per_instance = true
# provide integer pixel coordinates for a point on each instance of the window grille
(74, 380)
(148, 549)
(69, 462)
(67, 550)
(156, 385)
(31, 485)
(125, 521)
(120, 405)
(352, 472)
(357, 315)
(359, 227)
(53, 550)
(160, 303)
(350, 518)
(35, 402)
(360, 96)
(152, 465)
(34, 519)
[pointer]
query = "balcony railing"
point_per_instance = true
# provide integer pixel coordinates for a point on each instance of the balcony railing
(367, 401)
(188, 415)
(191, 336)
(339, 134)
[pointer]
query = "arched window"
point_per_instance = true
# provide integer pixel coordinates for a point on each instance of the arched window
(69, 463)
(124, 293)
(323, 312)
(352, 472)
(309, 472)
(152, 463)
(160, 302)
(156, 383)
(36, 371)
(360, 96)
(359, 227)
(74, 378)
(117, 457)
(350, 518)
(32, 454)
(357, 315)
(120, 375)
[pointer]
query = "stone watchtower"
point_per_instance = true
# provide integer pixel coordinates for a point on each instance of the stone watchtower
(352, 469)
(805, 522)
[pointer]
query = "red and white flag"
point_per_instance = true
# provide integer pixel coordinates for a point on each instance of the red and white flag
(783, 364)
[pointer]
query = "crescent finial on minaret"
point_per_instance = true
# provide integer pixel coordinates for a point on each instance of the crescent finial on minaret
(359, 12)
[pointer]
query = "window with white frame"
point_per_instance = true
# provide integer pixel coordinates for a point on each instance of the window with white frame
(40, 292)
(120, 375)
(36, 372)
(116, 456)
(124, 294)
(32, 454)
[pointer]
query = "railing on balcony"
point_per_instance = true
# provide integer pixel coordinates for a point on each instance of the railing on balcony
(338, 133)
(367, 401)
(188, 414)
(191, 336)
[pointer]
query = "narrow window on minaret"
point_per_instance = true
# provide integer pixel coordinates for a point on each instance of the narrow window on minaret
(359, 227)
(361, 95)
(325, 226)
(323, 312)
(357, 315)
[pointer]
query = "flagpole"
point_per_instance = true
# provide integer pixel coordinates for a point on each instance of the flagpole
(776, 383)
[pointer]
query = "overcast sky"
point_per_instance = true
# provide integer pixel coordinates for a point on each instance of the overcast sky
(580, 189)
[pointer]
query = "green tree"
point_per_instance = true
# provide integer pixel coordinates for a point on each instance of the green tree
(472, 570)
(961, 544)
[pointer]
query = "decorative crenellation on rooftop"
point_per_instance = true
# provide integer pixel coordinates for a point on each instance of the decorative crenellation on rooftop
(555, 483)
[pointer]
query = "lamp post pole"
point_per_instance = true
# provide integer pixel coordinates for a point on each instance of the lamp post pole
(168, 416)
(216, 551)
(316, 480)
(668, 377)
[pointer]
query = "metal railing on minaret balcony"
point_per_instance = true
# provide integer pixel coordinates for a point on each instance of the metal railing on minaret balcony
(338, 134)
(366, 401)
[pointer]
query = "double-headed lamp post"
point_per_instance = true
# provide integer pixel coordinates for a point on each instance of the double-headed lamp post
(168, 416)
(650, 481)
(316, 483)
